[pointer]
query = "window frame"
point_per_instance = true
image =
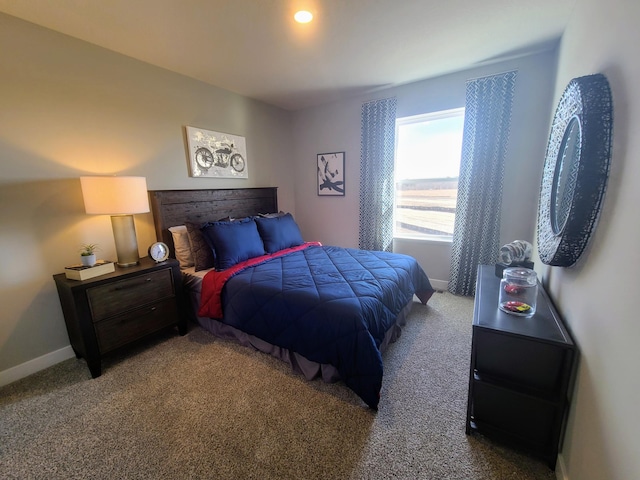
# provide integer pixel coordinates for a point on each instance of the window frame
(420, 118)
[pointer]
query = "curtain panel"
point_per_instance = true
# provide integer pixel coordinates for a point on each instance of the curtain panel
(377, 145)
(476, 234)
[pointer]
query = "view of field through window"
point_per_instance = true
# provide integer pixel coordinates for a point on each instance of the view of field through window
(428, 150)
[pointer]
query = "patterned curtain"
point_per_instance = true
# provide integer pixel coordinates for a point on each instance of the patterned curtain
(377, 146)
(476, 234)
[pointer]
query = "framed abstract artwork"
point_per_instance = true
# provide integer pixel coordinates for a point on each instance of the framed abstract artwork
(216, 154)
(331, 174)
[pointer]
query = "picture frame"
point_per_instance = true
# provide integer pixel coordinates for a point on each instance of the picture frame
(216, 154)
(331, 180)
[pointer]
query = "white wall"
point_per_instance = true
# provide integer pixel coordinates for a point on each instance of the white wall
(68, 108)
(336, 127)
(598, 296)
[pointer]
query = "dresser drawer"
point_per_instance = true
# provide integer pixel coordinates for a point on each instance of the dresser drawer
(118, 297)
(526, 418)
(528, 363)
(122, 329)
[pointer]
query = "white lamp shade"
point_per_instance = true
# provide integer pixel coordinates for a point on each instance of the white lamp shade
(115, 195)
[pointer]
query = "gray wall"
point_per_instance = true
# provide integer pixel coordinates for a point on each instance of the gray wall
(68, 108)
(597, 296)
(336, 127)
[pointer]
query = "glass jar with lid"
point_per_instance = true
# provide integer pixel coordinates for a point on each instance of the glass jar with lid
(518, 291)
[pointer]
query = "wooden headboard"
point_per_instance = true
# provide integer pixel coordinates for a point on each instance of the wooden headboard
(175, 207)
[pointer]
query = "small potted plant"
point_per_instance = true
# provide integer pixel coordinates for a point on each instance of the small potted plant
(88, 254)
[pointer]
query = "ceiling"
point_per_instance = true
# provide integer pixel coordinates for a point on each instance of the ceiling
(254, 48)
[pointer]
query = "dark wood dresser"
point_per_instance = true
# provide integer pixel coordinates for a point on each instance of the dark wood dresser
(113, 310)
(521, 372)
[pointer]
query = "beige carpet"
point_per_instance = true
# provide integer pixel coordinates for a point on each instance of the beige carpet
(199, 407)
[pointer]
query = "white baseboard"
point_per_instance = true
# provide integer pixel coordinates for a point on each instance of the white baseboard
(32, 366)
(439, 284)
(561, 469)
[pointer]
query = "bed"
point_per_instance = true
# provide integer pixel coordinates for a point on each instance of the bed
(327, 311)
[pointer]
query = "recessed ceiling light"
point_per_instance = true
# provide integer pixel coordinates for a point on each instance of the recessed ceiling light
(303, 16)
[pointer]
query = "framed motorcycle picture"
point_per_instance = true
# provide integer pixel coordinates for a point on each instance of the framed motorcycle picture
(216, 154)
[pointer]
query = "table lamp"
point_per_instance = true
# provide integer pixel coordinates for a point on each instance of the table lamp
(120, 197)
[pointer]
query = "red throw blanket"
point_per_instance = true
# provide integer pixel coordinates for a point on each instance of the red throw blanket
(214, 281)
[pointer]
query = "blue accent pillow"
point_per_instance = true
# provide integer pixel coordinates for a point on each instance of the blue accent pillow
(233, 242)
(279, 233)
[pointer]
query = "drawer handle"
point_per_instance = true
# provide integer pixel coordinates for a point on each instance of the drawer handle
(134, 285)
(148, 312)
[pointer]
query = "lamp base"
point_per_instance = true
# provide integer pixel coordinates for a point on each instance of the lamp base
(124, 233)
(130, 264)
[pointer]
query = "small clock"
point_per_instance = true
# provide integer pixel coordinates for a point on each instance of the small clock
(159, 251)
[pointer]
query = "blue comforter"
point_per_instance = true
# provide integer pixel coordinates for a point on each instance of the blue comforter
(332, 305)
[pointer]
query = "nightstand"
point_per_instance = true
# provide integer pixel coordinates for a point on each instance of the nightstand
(113, 310)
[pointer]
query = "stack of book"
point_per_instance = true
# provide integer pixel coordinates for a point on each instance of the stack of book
(82, 272)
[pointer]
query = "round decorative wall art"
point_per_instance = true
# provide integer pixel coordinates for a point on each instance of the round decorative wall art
(576, 169)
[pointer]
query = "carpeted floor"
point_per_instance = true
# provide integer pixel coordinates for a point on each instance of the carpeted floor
(199, 407)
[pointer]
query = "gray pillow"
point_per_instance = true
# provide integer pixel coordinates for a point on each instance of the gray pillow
(203, 258)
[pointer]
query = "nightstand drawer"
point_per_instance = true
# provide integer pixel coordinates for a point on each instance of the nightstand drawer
(120, 296)
(122, 329)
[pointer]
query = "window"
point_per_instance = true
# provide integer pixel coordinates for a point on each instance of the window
(427, 164)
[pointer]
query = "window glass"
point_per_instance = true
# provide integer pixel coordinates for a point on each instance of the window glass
(427, 164)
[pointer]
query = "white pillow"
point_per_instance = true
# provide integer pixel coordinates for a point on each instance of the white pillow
(182, 246)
